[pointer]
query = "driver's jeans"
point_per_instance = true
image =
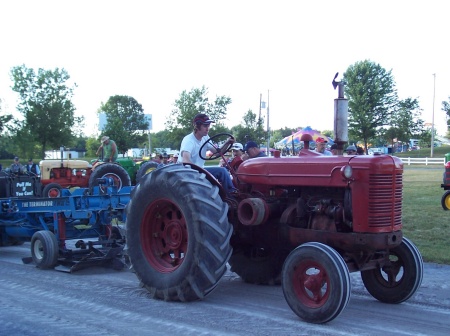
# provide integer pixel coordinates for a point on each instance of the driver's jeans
(221, 174)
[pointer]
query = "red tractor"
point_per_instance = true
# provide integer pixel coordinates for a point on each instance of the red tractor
(303, 222)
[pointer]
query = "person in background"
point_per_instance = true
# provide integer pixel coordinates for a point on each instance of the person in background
(321, 146)
(164, 160)
(351, 150)
(360, 151)
(175, 158)
(16, 166)
(252, 150)
(236, 151)
(333, 149)
(109, 148)
(33, 168)
(190, 147)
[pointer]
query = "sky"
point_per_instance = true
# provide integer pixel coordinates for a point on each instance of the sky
(288, 51)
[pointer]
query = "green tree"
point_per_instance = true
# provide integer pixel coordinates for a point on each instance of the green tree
(45, 103)
(446, 109)
(250, 129)
(179, 123)
(405, 122)
(372, 99)
(125, 118)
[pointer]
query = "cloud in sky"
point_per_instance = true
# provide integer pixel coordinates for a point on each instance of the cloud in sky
(287, 50)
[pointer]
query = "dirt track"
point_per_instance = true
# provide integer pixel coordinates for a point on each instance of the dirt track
(101, 301)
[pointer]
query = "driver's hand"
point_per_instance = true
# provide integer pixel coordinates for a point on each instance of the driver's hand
(231, 140)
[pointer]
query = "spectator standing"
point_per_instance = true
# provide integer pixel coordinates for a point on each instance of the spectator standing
(191, 144)
(360, 151)
(351, 150)
(175, 158)
(164, 160)
(252, 150)
(109, 148)
(33, 168)
(16, 166)
(334, 149)
(321, 146)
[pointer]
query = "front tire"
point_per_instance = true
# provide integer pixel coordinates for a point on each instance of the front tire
(52, 190)
(178, 234)
(44, 249)
(316, 282)
(400, 279)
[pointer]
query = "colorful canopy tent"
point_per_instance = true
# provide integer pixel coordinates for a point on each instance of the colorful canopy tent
(294, 139)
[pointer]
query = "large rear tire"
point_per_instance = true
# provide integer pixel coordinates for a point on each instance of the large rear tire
(445, 200)
(146, 167)
(178, 234)
(316, 282)
(110, 170)
(400, 279)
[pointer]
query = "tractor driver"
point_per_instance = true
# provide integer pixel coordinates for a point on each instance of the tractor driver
(109, 149)
(190, 147)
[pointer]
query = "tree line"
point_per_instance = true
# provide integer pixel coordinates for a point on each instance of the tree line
(376, 115)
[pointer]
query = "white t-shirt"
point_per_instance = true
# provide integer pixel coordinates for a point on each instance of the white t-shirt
(192, 145)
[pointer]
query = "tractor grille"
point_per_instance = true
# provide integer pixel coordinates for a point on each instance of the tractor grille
(385, 200)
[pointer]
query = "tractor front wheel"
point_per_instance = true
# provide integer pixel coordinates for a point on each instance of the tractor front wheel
(316, 282)
(146, 167)
(178, 234)
(398, 280)
(52, 190)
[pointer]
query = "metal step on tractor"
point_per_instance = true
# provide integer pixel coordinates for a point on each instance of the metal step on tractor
(304, 222)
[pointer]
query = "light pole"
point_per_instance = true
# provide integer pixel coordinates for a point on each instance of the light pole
(432, 118)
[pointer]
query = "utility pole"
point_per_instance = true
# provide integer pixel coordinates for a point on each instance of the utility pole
(432, 119)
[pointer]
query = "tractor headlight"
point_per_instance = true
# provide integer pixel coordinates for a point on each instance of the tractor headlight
(347, 172)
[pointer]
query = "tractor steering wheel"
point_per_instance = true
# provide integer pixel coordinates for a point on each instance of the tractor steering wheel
(213, 141)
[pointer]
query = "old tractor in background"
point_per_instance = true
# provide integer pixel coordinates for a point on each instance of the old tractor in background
(66, 173)
(303, 222)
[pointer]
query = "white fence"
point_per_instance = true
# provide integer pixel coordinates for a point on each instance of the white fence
(426, 161)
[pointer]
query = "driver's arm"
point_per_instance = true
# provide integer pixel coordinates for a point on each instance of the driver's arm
(186, 156)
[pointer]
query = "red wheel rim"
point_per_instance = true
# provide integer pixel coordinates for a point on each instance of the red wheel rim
(164, 236)
(311, 284)
(54, 192)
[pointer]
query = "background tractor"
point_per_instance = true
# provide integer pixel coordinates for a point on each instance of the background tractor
(303, 222)
(60, 174)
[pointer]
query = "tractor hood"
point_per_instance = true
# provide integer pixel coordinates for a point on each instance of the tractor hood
(72, 164)
(311, 170)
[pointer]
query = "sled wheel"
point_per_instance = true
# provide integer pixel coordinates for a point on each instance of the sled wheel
(316, 282)
(213, 141)
(445, 201)
(109, 170)
(398, 280)
(44, 249)
(144, 169)
(178, 234)
(52, 190)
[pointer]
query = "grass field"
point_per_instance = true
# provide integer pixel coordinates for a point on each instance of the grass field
(424, 220)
